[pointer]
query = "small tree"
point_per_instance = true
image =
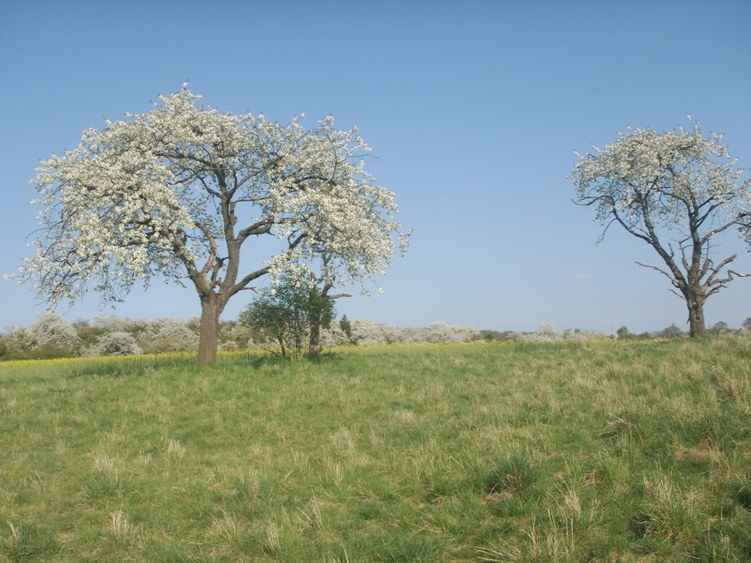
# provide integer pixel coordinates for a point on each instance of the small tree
(623, 333)
(671, 331)
(178, 191)
(676, 191)
(720, 327)
(747, 324)
(346, 327)
(319, 306)
(323, 269)
(286, 314)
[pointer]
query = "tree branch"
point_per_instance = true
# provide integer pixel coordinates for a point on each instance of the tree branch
(258, 228)
(665, 273)
(709, 234)
(715, 270)
(262, 271)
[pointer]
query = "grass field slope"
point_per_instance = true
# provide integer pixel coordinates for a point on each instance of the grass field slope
(594, 451)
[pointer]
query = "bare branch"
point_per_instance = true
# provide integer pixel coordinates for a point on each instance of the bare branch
(665, 273)
(242, 284)
(709, 234)
(715, 271)
(262, 271)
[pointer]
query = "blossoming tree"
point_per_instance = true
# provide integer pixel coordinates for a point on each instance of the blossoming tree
(676, 191)
(176, 193)
(326, 271)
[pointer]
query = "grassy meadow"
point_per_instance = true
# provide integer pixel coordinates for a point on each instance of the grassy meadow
(596, 451)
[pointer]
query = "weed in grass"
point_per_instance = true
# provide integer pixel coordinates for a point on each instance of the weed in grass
(25, 542)
(272, 544)
(312, 517)
(105, 465)
(742, 493)
(622, 431)
(102, 487)
(500, 551)
(510, 477)
(175, 449)
(119, 526)
(225, 527)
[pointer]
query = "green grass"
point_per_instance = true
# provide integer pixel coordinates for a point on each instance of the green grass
(603, 451)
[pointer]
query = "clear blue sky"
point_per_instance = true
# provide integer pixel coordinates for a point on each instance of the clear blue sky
(474, 109)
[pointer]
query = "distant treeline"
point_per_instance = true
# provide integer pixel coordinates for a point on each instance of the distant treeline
(51, 336)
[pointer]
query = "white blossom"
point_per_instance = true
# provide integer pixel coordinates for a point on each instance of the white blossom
(137, 198)
(676, 191)
(658, 171)
(115, 344)
(175, 192)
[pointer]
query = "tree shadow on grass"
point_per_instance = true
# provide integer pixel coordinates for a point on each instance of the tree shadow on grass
(152, 366)
(130, 368)
(328, 356)
(276, 360)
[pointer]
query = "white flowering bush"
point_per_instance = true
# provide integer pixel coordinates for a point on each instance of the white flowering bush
(115, 344)
(17, 342)
(53, 335)
(547, 333)
(580, 335)
(111, 323)
(368, 333)
(49, 336)
(334, 336)
(167, 335)
(544, 333)
(444, 332)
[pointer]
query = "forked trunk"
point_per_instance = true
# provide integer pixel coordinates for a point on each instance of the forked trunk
(209, 328)
(697, 328)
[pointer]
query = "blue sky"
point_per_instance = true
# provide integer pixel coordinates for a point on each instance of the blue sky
(474, 109)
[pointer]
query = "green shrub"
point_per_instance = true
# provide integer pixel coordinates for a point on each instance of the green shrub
(287, 315)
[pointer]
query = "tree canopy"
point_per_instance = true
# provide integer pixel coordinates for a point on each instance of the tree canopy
(676, 191)
(175, 192)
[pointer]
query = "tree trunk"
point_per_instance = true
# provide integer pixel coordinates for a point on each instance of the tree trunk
(696, 316)
(314, 344)
(209, 328)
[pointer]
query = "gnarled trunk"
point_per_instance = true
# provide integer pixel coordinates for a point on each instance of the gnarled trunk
(209, 328)
(695, 316)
